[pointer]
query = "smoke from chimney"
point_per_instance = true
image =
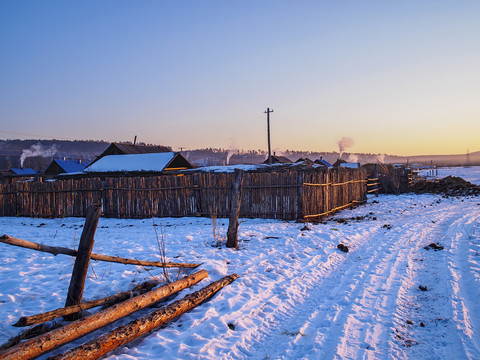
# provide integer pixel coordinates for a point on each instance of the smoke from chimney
(343, 144)
(37, 150)
(381, 158)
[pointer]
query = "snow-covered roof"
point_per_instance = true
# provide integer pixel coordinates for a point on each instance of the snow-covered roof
(252, 168)
(229, 168)
(71, 166)
(26, 171)
(324, 162)
(350, 165)
(132, 163)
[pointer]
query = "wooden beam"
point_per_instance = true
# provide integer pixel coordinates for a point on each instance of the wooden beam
(109, 300)
(55, 250)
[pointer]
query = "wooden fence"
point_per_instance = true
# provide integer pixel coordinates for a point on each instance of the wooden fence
(284, 195)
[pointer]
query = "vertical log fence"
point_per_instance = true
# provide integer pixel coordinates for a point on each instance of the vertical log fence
(287, 195)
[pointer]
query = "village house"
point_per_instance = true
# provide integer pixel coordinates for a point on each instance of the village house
(58, 167)
(125, 149)
(278, 160)
(16, 174)
(135, 164)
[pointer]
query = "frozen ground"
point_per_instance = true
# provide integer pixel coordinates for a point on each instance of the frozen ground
(298, 296)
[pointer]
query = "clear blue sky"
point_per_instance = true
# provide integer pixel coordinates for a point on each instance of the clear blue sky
(399, 77)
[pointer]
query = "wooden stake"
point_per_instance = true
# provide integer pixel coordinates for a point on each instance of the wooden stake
(55, 250)
(124, 334)
(79, 273)
(44, 343)
(232, 232)
(109, 300)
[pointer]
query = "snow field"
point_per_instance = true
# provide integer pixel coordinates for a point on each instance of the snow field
(298, 296)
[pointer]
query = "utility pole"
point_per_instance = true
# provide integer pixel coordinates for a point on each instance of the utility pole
(469, 162)
(268, 111)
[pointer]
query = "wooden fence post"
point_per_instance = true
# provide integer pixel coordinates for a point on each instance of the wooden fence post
(300, 211)
(79, 273)
(17, 200)
(235, 202)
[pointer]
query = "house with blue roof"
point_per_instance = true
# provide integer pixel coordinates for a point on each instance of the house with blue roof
(22, 172)
(57, 167)
(321, 161)
(17, 174)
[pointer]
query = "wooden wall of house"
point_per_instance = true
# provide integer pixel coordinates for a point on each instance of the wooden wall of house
(286, 195)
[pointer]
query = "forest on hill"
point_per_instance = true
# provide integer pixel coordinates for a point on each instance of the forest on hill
(37, 154)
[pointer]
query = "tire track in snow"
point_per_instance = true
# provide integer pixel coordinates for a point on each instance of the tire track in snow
(290, 328)
(463, 272)
(435, 339)
(367, 321)
(425, 322)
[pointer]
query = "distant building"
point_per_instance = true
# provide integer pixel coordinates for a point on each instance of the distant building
(125, 149)
(278, 159)
(139, 163)
(57, 167)
(23, 172)
(337, 163)
(16, 174)
(305, 161)
(323, 162)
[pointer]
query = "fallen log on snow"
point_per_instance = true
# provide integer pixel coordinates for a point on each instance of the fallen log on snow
(124, 334)
(114, 299)
(30, 333)
(41, 344)
(55, 250)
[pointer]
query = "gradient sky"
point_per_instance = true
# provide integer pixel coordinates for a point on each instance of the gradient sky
(399, 77)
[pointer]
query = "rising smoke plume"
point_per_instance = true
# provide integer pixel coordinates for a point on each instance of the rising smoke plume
(232, 149)
(229, 155)
(37, 150)
(381, 158)
(352, 158)
(343, 144)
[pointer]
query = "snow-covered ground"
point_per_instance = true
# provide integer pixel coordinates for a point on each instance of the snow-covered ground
(298, 296)
(471, 174)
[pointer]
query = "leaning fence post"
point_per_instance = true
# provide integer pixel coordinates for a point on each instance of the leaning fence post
(236, 199)
(79, 273)
(375, 176)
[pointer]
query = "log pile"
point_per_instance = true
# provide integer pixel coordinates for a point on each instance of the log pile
(49, 341)
(123, 335)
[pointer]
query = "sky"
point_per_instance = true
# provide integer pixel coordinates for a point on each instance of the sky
(396, 77)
